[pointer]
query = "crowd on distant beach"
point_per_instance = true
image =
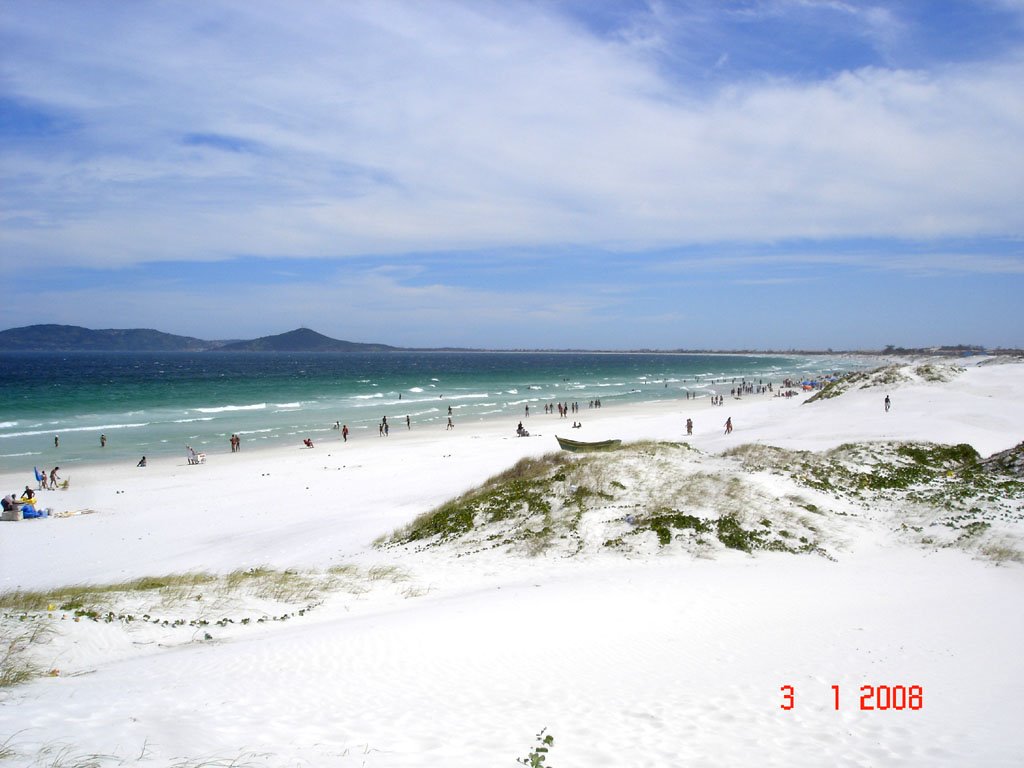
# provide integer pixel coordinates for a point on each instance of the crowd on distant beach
(741, 386)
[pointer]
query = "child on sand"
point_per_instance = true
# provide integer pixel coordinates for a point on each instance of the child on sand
(728, 426)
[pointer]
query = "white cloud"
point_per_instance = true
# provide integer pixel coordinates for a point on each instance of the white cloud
(392, 128)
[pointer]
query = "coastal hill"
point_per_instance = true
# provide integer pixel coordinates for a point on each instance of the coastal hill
(65, 338)
(68, 338)
(71, 338)
(302, 340)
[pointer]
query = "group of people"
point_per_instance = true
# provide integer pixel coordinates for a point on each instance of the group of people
(48, 482)
(564, 409)
(190, 455)
(26, 503)
(236, 443)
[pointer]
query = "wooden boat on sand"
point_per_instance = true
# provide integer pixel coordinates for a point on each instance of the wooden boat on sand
(577, 446)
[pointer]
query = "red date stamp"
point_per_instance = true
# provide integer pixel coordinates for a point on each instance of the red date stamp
(873, 698)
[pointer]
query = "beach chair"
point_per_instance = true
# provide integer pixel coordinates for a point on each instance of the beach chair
(200, 458)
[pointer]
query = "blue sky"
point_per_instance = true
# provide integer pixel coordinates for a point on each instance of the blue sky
(571, 173)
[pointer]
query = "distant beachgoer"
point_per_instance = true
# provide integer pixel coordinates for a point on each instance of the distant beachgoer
(142, 462)
(450, 424)
(344, 433)
(888, 403)
(689, 426)
(408, 424)
(380, 429)
(387, 429)
(527, 409)
(728, 426)
(449, 410)
(56, 441)
(307, 442)
(103, 441)
(28, 494)
(44, 481)
(54, 478)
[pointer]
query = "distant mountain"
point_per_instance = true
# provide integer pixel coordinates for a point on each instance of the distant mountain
(303, 340)
(69, 338)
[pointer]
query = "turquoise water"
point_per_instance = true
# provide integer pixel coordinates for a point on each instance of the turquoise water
(154, 404)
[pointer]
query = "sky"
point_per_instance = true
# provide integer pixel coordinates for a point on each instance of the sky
(781, 174)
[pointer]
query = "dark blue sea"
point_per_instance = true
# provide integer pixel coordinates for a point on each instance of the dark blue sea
(155, 403)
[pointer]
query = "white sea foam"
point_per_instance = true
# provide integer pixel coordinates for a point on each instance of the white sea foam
(188, 421)
(62, 430)
(287, 405)
(369, 397)
(8, 424)
(415, 389)
(227, 408)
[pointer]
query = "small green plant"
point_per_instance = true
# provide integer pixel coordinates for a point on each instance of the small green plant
(538, 756)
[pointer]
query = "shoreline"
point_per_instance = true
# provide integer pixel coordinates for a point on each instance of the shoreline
(272, 423)
(377, 484)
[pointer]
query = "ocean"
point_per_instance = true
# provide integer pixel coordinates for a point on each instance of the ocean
(154, 404)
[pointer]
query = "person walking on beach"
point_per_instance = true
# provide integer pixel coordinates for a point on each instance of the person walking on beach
(54, 478)
(142, 462)
(450, 425)
(689, 426)
(56, 441)
(344, 433)
(103, 441)
(408, 424)
(888, 403)
(728, 426)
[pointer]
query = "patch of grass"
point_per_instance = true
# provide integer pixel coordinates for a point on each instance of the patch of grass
(734, 536)
(1002, 552)
(519, 490)
(387, 573)
(15, 642)
(93, 595)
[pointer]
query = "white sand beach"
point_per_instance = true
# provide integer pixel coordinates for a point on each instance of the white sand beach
(628, 650)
